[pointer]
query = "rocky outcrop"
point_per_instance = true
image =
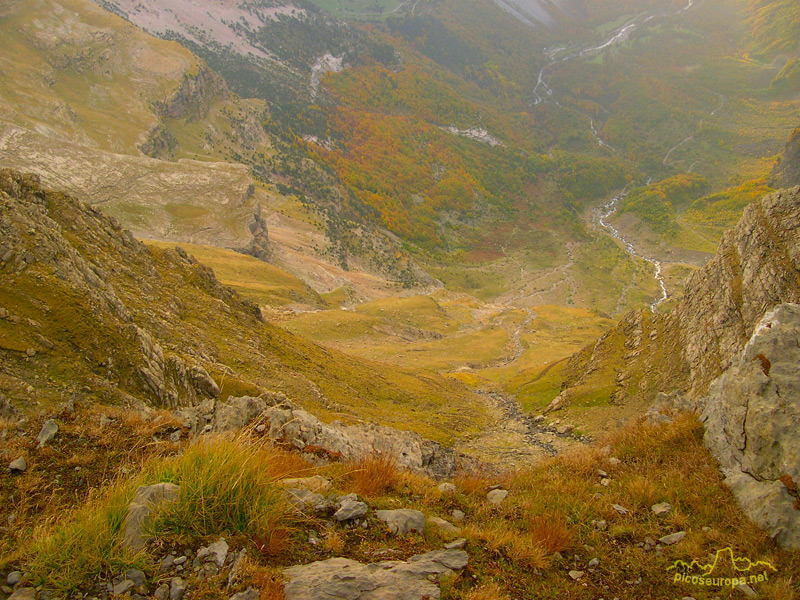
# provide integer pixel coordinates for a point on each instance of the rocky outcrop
(283, 422)
(752, 416)
(259, 245)
(787, 172)
(344, 579)
(756, 267)
(195, 96)
(141, 510)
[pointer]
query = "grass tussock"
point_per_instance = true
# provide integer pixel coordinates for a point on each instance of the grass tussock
(374, 475)
(551, 532)
(489, 591)
(227, 489)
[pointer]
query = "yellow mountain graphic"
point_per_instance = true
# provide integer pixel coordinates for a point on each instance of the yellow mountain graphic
(725, 561)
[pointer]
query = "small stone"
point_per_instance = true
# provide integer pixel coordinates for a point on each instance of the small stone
(167, 563)
(250, 593)
(162, 592)
(648, 541)
(576, 575)
(456, 544)
(215, 553)
(313, 539)
(136, 576)
(402, 521)
(458, 515)
(565, 429)
(14, 578)
(614, 461)
(602, 473)
(177, 587)
(30, 352)
(673, 538)
(18, 466)
(747, 590)
(662, 509)
(5, 589)
(180, 560)
(594, 563)
(605, 482)
(261, 428)
(444, 526)
(25, 593)
(123, 587)
(48, 432)
(317, 483)
(175, 436)
(350, 509)
(600, 525)
(447, 488)
(620, 509)
(706, 529)
(496, 497)
(538, 419)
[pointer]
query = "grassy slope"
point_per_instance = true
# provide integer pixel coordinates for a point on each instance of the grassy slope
(524, 549)
(197, 320)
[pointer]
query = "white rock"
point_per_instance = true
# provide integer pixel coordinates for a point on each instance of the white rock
(447, 488)
(673, 538)
(661, 509)
(48, 432)
(496, 497)
(18, 466)
(216, 553)
(402, 521)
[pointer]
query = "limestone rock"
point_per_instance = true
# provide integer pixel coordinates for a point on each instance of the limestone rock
(402, 521)
(25, 593)
(48, 432)
(350, 509)
(317, 483)
(497, 497)
(214, 553)
(302, 499)
(177, 588)
(662, 509)
(752, 416)
(123, 587)
(444, 526)
(18, 466)
(673, 538)
(250, 593)
(139, 517)
(344, 579)
(447, 488)
(14, 578)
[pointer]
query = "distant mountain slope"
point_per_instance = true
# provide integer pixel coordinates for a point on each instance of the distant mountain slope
(87, 310)
(757, 267)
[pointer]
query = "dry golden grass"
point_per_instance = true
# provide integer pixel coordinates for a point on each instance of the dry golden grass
(333, 541)
(488, 591)
(373, 475)
(472, 483)
(273, 541)
(527, 550)
(552, 532)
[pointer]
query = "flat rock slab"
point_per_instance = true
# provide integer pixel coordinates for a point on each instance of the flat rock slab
(402, 521)
(672, 538)
(350, 509)
(344, 579)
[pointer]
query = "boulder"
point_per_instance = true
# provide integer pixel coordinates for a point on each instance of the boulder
(140, 512)
(402, 521)
(344, 579)
(752, 415)
(447, 488)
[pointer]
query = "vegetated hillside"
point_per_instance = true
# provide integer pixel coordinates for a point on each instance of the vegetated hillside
(756, 267)
(89, 312)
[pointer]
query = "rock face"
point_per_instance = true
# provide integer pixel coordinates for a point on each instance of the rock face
(344, 579)
(757, 267)
(787, 173)
(752, 419)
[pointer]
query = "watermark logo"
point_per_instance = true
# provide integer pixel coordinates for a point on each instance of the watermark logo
(727, 570)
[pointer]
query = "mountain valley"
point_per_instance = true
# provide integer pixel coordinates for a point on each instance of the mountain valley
(400, 299)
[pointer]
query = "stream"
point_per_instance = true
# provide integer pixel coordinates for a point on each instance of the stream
(601, 217)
